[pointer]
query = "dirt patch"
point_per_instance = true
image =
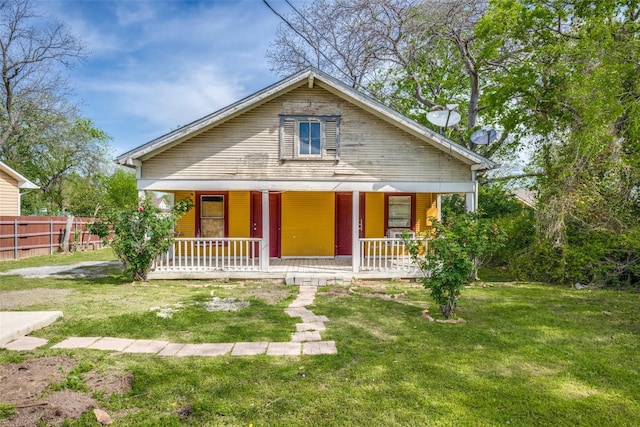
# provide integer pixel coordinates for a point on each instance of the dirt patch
(25, 386)
(109, 382)
(270, 294)
(338, 291)
(11, 300)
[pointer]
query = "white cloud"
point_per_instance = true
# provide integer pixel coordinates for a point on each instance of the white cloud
(168, 103)
(129, 13)
(158, 65)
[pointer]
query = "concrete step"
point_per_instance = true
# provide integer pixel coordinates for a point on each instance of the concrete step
(16, 324)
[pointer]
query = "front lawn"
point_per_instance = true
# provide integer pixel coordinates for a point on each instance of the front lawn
(528, 354)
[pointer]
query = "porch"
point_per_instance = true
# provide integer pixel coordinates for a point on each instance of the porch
(243, 258)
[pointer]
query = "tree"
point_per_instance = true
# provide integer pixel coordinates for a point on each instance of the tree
(413, 55)
(578, 94)
(33, 91)
(121, 189)
(89, 195)
(68, 149)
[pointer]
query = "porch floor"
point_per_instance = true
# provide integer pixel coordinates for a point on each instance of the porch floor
(294, 271)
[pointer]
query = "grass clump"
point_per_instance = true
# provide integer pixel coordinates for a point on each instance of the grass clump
(7, 411)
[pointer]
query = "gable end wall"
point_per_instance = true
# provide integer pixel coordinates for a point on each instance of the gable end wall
(248, 147)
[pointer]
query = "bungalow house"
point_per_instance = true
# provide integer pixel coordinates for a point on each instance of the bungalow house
(307, 175)
(11, 182)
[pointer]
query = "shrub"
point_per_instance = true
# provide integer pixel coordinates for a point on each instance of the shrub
(140, 233)
(448, 264)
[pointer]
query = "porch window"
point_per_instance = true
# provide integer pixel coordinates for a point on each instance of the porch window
(212, 217)
(399, 212)
(309, 137)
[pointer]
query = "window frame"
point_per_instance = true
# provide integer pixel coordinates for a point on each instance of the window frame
(328, 151)
(412, 224)
(199, 196)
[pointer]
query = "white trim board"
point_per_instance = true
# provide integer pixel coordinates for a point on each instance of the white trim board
(300, 185)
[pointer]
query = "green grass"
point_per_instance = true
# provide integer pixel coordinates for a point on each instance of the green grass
(528, 355)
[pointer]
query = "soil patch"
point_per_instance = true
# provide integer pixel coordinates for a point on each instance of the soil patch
(270, 294)
(25, 386)
(11, 300)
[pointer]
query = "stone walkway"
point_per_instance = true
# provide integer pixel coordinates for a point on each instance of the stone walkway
(306, 340)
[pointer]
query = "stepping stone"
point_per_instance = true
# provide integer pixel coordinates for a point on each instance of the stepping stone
(146, 346)
(311, 318)
(26, 343)
(284, 349)
(298, 312)
(319, 347)
(310, 326)
(115, 344)
(205, 350)
(300, 302)
(249, 348)
(171, 349)
(305, 336)
(76, 342)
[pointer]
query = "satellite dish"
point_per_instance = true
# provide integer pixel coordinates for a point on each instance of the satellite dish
(483, 136)
(444, 118)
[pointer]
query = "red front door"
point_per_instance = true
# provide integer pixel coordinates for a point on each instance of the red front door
(344, 224)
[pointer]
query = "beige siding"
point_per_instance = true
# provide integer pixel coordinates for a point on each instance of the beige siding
(247, 147)
(9, 195)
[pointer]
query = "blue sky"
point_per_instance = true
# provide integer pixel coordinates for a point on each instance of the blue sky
(157, 65)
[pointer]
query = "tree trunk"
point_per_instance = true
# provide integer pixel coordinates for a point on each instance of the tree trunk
(64, 245)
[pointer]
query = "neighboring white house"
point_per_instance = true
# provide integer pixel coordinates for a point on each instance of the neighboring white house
(11, 182)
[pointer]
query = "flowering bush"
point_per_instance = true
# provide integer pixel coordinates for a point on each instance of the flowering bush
(449, 263)
(140, 234)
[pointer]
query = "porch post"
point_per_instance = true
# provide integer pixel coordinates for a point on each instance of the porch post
(471, 199)
(355, 231)
(264, 250)
(141, 193)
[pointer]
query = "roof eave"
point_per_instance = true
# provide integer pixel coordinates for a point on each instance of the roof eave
(311, 75)
(23, 183)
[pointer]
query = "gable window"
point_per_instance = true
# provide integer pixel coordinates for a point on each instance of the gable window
(309, 137)
(212, 216)
(400, 211)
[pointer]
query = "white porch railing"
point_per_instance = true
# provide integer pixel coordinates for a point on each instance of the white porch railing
(211, 254)
(385, 254)
(245, 255)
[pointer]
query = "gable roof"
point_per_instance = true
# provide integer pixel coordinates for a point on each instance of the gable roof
(312, 76)
(22, 181)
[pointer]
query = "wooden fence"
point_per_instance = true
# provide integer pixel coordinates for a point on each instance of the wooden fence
(27, 236)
